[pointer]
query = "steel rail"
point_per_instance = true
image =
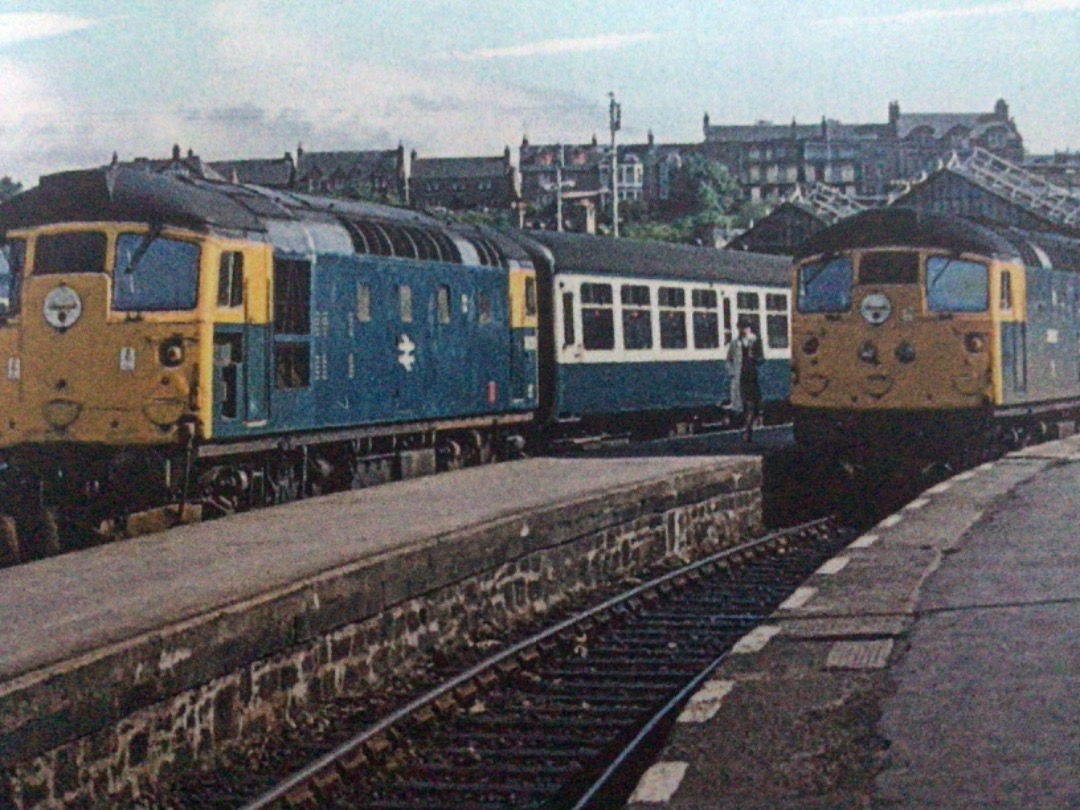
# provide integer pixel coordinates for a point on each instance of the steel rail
(302, 777)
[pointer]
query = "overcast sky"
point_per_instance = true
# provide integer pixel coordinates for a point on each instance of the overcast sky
(80, 79)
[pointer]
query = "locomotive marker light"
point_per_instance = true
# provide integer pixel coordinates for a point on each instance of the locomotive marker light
(62, 308)
(876, 309)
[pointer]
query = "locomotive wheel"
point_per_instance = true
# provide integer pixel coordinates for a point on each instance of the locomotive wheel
(9, 541)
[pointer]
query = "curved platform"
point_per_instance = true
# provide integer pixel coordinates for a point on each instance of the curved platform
(933, 664)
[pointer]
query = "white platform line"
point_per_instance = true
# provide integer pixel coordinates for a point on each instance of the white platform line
(865, 541)
(918, 503)
(944, 486)
(964, 476)
(755, 640)
(890, 521)
(833, 566)
(659, 783)
(705, 703)
(799, 598)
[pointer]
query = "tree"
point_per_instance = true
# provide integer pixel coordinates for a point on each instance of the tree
(705, 188)
(704, 197)
(9, 188)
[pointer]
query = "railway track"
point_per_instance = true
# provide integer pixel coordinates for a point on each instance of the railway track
(559, 719)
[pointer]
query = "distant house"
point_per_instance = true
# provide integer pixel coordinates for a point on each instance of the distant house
(463, 183)
(647, 172)
(379, 175)
(184, 165)
(270, 172)
(771, 160)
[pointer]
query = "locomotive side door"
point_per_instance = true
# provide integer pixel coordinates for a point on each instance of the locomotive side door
(241, 341)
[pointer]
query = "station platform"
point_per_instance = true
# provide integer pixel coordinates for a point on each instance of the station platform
(933, 665)
(128, 662)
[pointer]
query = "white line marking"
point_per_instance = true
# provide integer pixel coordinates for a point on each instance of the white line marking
(918, 503)
(944, 486)
(865, 541)
(891, 520)
(705, 703)
(756, 639)
(833, 566)
(964, 476)
(987, 466)
(799, 598)
(660, 782)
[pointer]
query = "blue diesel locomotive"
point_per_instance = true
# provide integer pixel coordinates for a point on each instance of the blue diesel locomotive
(177, 347)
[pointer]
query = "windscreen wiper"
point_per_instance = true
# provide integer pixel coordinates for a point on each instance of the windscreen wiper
(143, 246)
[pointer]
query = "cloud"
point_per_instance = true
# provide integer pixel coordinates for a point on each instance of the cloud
(16, 28)
(604, 42)
(986, 10)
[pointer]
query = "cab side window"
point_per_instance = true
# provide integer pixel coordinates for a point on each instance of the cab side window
(231, 279)
(12, 261)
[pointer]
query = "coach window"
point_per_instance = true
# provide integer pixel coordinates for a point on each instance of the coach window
(825, 286)
(363, 303)
(672, 303)
(776, 320)
(706, 321)
(154, 273)
(405, 303)
(483, 307)
(231, 279)
(954, 285)
(597, 317)
(636, 317)
(749, 306)
(443, 299)
(728, 325)
(569, 337)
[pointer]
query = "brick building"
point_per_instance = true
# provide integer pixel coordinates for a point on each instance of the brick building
(463, 183)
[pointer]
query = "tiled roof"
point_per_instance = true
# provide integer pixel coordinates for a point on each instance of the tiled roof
(762, 132)
(433, 168)
(327, 163)
(276, 172)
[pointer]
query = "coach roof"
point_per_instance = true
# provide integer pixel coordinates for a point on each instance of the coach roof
(580, 253)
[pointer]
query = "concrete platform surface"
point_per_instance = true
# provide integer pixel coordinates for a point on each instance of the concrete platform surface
(53, 609)
(933, 665)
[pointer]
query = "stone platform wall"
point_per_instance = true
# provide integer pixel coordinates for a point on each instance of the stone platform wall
(104, 729)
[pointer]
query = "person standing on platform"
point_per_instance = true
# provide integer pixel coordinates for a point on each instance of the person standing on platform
(744, 357)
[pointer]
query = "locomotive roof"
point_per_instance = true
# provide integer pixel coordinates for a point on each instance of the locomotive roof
(582, 253)
(908, 227)
(118, 193)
